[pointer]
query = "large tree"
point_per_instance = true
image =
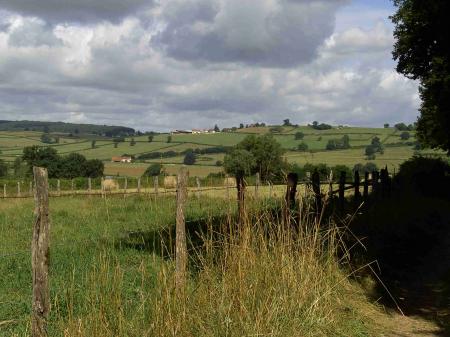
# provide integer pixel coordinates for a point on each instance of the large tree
(266, 157)
(423, 53)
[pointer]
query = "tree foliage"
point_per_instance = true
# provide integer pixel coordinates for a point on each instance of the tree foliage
(153, 170)
(189, 158)
(423, 53)
(265, 157)
(71, 166)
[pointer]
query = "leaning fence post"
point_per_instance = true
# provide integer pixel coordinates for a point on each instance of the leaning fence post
(40, 250)
(180, 239)
(316, 189)
(291, 190)
(18, 189)
(356, 186)
(375, 186)
(366, 186)
(330, 185)
(240, 186)
(342, 190)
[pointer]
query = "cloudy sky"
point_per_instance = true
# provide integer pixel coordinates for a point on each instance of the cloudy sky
(164, 64)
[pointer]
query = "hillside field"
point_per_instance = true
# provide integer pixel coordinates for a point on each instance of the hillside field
(396, 150)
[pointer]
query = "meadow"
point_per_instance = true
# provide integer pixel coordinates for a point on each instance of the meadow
(110, 275)
(396, 149)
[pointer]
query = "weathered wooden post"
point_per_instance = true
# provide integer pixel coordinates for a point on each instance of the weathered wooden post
(375, 186)
(342, 179)
(291, 191)
(155, 184)
(316, 189)
(366, 186)
(40, 251)
(125, 185)
(4, 190)
(139, 185)
(197, 180)
(58, 187)
(356, 186)
(240, 186)
(18, 189)
(180, 240)
(257, 182)
(330, 185)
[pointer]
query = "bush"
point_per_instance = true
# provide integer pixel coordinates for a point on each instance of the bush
(425, 176)
(189, 158)
(153, 170)
(405, 135)
(3, 168)
(302, 147)
(299, 135)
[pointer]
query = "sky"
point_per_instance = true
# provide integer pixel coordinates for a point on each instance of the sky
(181, 64)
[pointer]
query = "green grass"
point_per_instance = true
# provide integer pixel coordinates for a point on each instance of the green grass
(242, 284)
(12, 143)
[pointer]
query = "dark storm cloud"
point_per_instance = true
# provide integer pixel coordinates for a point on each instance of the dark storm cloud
(263, 32)
(83, 11)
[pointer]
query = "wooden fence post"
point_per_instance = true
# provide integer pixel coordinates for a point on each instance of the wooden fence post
(125, 185)
(180, 239)
(330, 185)
(156, 183)
(356, 186)
(342, 179)
(366, 186)
(240, 186)
(316, 189)
(291, 191)
(375, 186)
(58, 187)
(40, 250)
(257, 182)
(18, 189)
(139, 185)
(197, 180)
(4, 190)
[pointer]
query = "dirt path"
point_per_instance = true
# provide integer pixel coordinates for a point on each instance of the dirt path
(403, 326)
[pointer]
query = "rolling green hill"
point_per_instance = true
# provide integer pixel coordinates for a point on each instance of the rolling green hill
(396, 150)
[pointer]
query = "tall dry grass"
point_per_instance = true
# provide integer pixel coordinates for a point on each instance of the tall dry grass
(263, 278)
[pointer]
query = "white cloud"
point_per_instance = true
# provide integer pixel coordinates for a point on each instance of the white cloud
(201, 62)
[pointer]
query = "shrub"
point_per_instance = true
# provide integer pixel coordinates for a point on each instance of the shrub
(299, 135)
(189, 158)
(302, 147)
(153, 170)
